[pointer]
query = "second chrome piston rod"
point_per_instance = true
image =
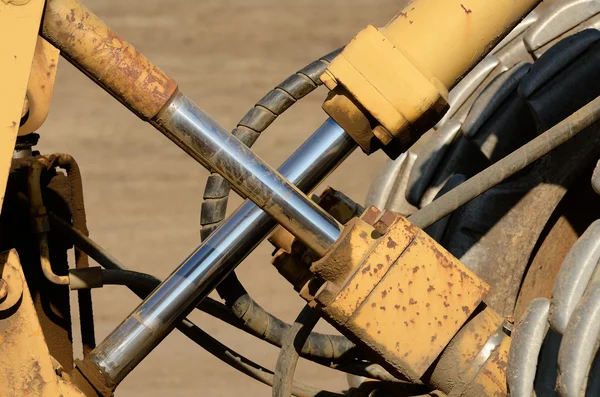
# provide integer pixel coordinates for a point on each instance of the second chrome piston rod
(226, 247)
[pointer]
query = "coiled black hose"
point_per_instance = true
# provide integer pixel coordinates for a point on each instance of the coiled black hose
(216, 193)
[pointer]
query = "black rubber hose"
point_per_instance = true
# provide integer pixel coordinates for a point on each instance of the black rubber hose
(257, 320)
(242, 364)
(283, 382)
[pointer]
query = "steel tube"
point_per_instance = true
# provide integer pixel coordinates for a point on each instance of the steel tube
(204, 139)
(212, 261)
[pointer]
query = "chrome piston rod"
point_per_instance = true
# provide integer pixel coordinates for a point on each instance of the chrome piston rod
(182, 121)
(213, 260)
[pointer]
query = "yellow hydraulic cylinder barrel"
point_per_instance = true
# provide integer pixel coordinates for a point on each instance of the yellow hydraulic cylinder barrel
(448, 37)
(392, 83)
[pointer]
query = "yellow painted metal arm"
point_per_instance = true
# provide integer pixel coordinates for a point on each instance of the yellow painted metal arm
(19, 26)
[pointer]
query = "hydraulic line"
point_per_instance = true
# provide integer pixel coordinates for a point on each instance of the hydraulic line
(244, 365)
(39, 216)
(508, 166)
(290, 351)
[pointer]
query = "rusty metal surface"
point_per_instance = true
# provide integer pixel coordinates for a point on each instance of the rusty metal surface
(87, 42)
(579, 207)
(27, 367)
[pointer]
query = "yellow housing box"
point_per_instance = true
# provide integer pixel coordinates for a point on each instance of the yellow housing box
(393, 288)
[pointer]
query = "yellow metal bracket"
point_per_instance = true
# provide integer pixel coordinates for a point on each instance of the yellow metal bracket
(27, 367)
(19, 27)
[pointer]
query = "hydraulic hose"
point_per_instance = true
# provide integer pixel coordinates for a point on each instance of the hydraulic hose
(289, 354)
(216, 193)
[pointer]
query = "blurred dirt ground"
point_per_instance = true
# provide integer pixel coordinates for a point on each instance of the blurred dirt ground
(143, 194)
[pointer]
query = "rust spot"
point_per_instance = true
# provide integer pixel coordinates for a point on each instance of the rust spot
(406, 323)
(412, 301)
(418, 314)
(403, 308)
(427, 305)
(366, 269)
(382, 308)
(439, 323)
(412, 321)
(383, 294)
(391, 243)
(410, 282)
(411, 22)
(400, 290)
(431, 288)
(363, 235)
(406, 354)
(446, 304)
(467, 11)
(397, 306)
(379, 266)
(373, 304)
(415, 269)
(368, 325)
(450, 285)
(466, 310)
(433, 338)
(445, 317)
(71, 17)
(356, 286)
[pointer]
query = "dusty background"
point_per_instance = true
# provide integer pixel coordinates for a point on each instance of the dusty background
(143, 194)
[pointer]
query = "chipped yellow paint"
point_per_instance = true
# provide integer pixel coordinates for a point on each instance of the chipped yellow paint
(420, 304)
(19, 26)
